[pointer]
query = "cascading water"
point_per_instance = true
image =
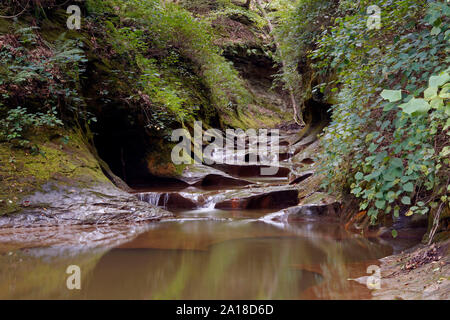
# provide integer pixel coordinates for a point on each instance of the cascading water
(161, 199)
(154, 198)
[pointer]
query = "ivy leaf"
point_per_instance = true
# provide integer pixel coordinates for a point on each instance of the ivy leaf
(435, 31)
(445, 92)
(430, 93)
(445, 152)
(391, 95)
(409, 187)
(404, 179)
(397, 162)
(357, 190)
(391, 196)
(437, 81)
(372, 147)
(406, 200)
(415, 106)
(380, 204)
(437, 103)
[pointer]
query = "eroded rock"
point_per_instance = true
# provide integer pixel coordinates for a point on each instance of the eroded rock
(250, 170)
(204, 176)
(316, 205)
(295, 179)
(59, 205)
(169, 200)
(265, 200)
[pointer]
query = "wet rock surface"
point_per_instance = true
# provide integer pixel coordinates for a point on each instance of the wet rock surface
(237, 193)
(72, 239)
(267, 200)
(204, 176)
(297, 178)
(305, 212)
(251, 170)
(59, 205)
(169, 200)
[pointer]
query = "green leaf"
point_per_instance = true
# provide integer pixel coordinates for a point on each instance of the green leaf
(372, 212)
(435, 31)
(445, 152)
(391, 195)
(445, 92)
(437, 81)
(406, 200)
(380, 204)
(430, 93)
(391, 95)
(408, 187)
(359, 176)
(396, 211)
(397, 162)
(404, 179)
(437, 103)
(357, 190)
(372, 147)
(394, 233)
(415, 106)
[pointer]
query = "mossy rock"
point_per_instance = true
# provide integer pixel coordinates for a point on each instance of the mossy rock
(56, 155)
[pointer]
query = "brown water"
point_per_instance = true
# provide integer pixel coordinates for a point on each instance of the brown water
(233, 256)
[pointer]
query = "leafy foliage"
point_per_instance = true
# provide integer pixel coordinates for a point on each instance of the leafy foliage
(388, 140)
(170, 26)
(299, 26)
(388, 152)
(40, 79)
(18, 121)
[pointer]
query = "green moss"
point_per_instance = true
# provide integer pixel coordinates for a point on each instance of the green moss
(60, 156)
(255, 116)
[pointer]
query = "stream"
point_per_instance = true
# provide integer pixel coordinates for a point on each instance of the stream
(229, 238)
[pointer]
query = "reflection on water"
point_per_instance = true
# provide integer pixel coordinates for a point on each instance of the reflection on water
(203, 259)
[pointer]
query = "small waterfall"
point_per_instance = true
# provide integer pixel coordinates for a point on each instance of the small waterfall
(154, 198)
(211, 200)
(165, 200)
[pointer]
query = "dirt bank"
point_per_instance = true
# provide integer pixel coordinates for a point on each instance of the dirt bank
(423, 272)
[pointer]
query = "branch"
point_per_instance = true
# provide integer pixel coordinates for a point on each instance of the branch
(17, 15)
